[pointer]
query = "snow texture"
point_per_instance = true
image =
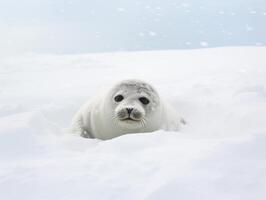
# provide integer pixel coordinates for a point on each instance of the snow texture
(220, 154)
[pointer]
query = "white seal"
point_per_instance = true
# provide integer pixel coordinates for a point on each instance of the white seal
(131, 106)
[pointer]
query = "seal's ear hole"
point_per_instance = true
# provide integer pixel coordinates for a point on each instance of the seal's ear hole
(144, 100)
(118, 98)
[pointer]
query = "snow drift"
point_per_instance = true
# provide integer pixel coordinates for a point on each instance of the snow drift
(220, 154)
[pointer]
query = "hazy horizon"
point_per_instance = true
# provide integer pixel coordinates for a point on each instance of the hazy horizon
(65, 26)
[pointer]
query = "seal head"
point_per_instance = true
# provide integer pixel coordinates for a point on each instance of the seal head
(133, 103)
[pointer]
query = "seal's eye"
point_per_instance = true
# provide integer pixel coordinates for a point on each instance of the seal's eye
(144, 100)
(119, 98)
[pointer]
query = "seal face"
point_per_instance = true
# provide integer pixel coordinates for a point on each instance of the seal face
(131, 106)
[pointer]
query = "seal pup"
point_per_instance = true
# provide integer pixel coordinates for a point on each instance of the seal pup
(130, 106)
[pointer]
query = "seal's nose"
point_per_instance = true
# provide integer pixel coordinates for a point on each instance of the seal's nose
(129, 110)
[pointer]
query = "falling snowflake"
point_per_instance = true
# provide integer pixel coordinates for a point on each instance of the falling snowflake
(249, 28)
(141, 34)
(121, 9)
(253, 12)
(151, 33)
(204, 44)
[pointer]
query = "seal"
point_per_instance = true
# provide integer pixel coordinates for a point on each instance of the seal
(130, 106)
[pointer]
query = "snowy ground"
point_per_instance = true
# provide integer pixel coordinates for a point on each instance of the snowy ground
(220, 154)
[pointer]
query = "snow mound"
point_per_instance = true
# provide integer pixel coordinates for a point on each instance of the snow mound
(220, 154)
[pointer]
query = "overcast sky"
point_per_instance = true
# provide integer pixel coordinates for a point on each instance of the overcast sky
(80, 26)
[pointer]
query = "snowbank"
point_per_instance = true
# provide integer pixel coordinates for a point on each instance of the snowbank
(220, 154)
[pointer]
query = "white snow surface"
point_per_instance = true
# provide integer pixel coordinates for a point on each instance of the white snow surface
(220, 154)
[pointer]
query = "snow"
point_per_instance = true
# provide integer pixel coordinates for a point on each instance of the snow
(204, 44)
(220, 154)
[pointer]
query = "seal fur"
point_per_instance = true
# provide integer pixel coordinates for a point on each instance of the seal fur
(130, 106)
